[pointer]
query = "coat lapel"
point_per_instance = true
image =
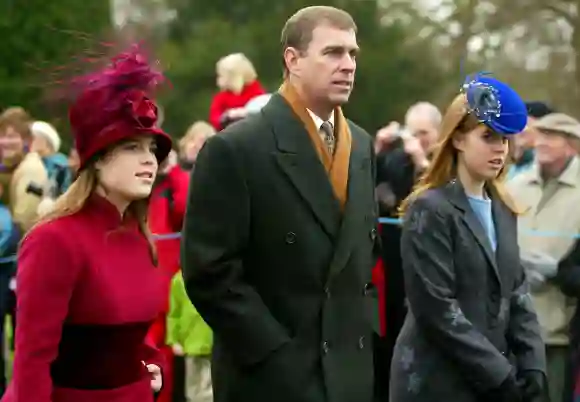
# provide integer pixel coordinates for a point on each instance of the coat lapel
(359, 172)
(299, 161)
(458, 198)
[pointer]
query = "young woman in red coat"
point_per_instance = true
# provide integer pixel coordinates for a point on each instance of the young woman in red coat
(238, 83)
(88, 285)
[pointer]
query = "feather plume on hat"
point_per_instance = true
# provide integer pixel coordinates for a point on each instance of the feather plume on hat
(115, 103)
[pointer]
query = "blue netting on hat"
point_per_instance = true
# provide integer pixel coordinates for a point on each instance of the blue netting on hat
(495, 104)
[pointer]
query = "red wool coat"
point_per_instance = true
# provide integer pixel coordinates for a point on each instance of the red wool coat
(225, 100)
(87, 294)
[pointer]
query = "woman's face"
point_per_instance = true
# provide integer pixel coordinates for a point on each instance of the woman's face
(482, 151)
(11, 143)
(128, 171)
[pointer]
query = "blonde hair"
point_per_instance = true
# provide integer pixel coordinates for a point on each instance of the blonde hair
(197, 129)
(75, 198)
(237, 70)
(443, 167)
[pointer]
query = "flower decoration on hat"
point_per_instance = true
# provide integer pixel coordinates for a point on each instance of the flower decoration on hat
(495, 104)
(141, 108)
(115, 103)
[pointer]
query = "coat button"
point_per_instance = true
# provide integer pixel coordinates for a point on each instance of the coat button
(361, 342)
(325, 347)
(367, 288)
(290, 238)
(373, 234)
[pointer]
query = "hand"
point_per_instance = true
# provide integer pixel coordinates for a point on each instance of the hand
(386, 136)
(508, 391)
(413, 148)
(169, 163)
(533, 384)
(156, 378)
(237, 113)
(177, 349)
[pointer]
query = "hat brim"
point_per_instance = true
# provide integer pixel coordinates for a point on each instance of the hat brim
(162, 139)
(120, 132)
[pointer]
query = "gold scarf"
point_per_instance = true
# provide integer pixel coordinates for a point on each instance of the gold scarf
(336, 165)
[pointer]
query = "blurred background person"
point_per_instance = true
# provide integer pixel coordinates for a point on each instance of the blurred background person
(190, 337)
(191, 143)
(20, 168)
(523, 145)
(238, 83)
(165, 218)
(46, 142)
(20, 172)
(9, 240)
(550, 189)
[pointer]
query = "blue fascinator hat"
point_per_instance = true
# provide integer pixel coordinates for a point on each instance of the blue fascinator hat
(495, 104)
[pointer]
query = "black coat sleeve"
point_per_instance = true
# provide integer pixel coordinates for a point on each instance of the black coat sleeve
(430, 284)
(523, 334)
(568, 276)
(215, 236)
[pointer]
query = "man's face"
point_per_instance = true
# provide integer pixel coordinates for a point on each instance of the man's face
(326, 68)
(423, 128)
(552, 148)
(525, 140)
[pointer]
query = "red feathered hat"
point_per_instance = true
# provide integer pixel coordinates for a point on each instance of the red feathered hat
(114, 104)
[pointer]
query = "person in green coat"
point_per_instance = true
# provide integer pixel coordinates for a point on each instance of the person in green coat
(190, 336)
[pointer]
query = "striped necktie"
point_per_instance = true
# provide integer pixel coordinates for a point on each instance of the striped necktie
(328, 134)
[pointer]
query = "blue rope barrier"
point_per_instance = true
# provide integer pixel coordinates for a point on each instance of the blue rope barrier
(386, 221)
(537, 233)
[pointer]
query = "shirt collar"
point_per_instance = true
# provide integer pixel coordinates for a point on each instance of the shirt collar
(568, 177)
(318, 121)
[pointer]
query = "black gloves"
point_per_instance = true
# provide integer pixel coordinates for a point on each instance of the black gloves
(533, 385)
(508, 391)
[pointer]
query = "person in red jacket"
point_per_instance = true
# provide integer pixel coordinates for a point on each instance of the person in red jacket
(166, 212)
(238, 83)
(88, 285)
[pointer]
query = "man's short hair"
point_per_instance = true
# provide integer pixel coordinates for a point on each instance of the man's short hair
(297, 31)
(425, 108)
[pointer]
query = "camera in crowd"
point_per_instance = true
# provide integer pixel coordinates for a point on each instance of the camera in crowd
(56, 184)
(35, 189)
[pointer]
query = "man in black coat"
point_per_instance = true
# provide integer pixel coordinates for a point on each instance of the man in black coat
(280, 232)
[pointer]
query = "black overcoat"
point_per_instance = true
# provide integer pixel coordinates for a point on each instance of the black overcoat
(274, 266)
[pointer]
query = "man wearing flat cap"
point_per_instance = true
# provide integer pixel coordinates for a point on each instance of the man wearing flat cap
(551, 191)
(523, 152)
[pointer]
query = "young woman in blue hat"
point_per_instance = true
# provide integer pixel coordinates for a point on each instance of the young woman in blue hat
(471, 333)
